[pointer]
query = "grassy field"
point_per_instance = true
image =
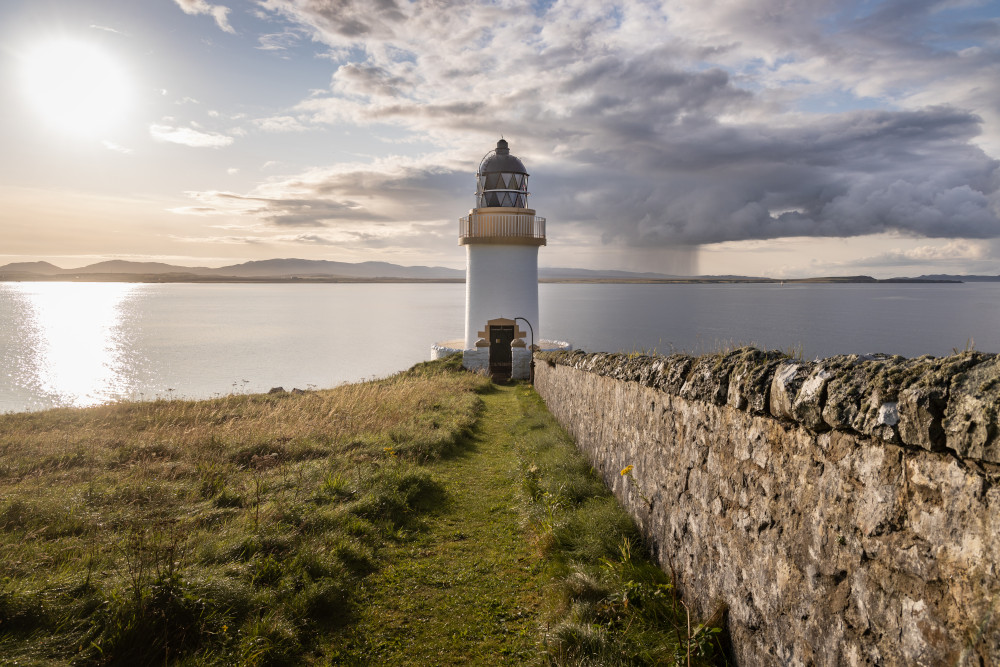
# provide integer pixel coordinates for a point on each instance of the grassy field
(428, 518)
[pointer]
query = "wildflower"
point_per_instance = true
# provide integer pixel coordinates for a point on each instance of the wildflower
(627, 470)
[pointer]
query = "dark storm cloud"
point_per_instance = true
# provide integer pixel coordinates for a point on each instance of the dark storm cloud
(861, 173)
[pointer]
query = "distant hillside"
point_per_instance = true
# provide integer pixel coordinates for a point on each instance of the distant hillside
(550, 273)
(964, 279)
(559, 273)
(270, 268)
(320, 267)
(122, 266)
(42, 268)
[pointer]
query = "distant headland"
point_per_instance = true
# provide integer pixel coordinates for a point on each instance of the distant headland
(326, 271)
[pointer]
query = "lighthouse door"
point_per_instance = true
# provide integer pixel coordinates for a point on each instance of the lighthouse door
(501, 337)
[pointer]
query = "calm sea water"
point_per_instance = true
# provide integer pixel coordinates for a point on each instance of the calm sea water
(74, 344)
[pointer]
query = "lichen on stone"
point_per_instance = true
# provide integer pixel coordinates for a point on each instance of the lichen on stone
(928, 402)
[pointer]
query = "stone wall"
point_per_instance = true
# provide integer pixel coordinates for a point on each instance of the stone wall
(844, 511)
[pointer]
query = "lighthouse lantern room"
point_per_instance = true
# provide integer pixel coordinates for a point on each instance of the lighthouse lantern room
(501, 237)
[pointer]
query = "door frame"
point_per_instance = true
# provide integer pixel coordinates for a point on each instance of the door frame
(486, 333)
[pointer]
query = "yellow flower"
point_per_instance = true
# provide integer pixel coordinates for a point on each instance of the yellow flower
(627, 470)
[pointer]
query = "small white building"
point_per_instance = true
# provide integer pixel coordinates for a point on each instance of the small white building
(501, 238)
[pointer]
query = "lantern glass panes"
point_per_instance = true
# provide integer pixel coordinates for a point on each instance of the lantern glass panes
(502, 188)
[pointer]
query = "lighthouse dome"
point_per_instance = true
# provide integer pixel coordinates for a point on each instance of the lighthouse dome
(501, 180)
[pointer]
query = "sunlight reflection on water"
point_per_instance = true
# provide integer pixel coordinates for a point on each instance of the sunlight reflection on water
(72, 346)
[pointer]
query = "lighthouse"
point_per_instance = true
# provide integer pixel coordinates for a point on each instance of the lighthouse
(501, 236)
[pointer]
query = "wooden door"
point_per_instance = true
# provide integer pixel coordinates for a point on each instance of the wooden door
(501, 337)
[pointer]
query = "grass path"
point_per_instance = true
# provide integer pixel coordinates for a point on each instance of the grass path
(467, 589)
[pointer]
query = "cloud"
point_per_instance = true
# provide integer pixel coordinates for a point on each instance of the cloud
(958, 249)
(279, 42)
(367, 80)
(112, 146)
(187, 136)
(280, 124)
(224, 240)
(857, 174)
(279, 211)
(682, 124)
(392, 204)
(958, 256)
(344, 18)
(219, 12)
(313, 239)
(346, 239)
(197, 210)
(105, 28)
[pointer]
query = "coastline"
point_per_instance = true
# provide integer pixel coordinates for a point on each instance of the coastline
(192, 278)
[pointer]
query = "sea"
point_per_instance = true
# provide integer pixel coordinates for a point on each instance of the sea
(66, 344)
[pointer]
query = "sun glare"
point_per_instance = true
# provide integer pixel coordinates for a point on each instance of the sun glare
(80, 357)
(75, 86)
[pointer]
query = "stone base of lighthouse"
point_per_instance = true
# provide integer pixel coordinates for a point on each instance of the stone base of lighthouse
(477, 359)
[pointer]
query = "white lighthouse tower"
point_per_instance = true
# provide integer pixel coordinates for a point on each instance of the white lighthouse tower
(501, 238)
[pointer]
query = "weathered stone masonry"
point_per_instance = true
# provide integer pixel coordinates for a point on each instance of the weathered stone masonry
(846, 511)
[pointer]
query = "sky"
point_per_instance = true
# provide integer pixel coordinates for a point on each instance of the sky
(786, 138)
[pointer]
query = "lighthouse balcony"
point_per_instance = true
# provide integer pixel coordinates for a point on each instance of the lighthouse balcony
(502, 225)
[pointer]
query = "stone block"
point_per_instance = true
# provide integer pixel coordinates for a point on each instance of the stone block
(674, 372)
(708, 380)
(788, 379)
(921, 410)
(750, 380)
(862, 394)
(807, 409)
(885, 377)
(924, 398)
(971, 418)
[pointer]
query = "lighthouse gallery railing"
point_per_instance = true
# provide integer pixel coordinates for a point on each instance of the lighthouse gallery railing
(482, 225)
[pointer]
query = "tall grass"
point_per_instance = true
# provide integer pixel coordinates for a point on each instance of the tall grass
(229, 531)
(609, 605)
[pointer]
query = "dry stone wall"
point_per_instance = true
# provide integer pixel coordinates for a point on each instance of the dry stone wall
(843, 511)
